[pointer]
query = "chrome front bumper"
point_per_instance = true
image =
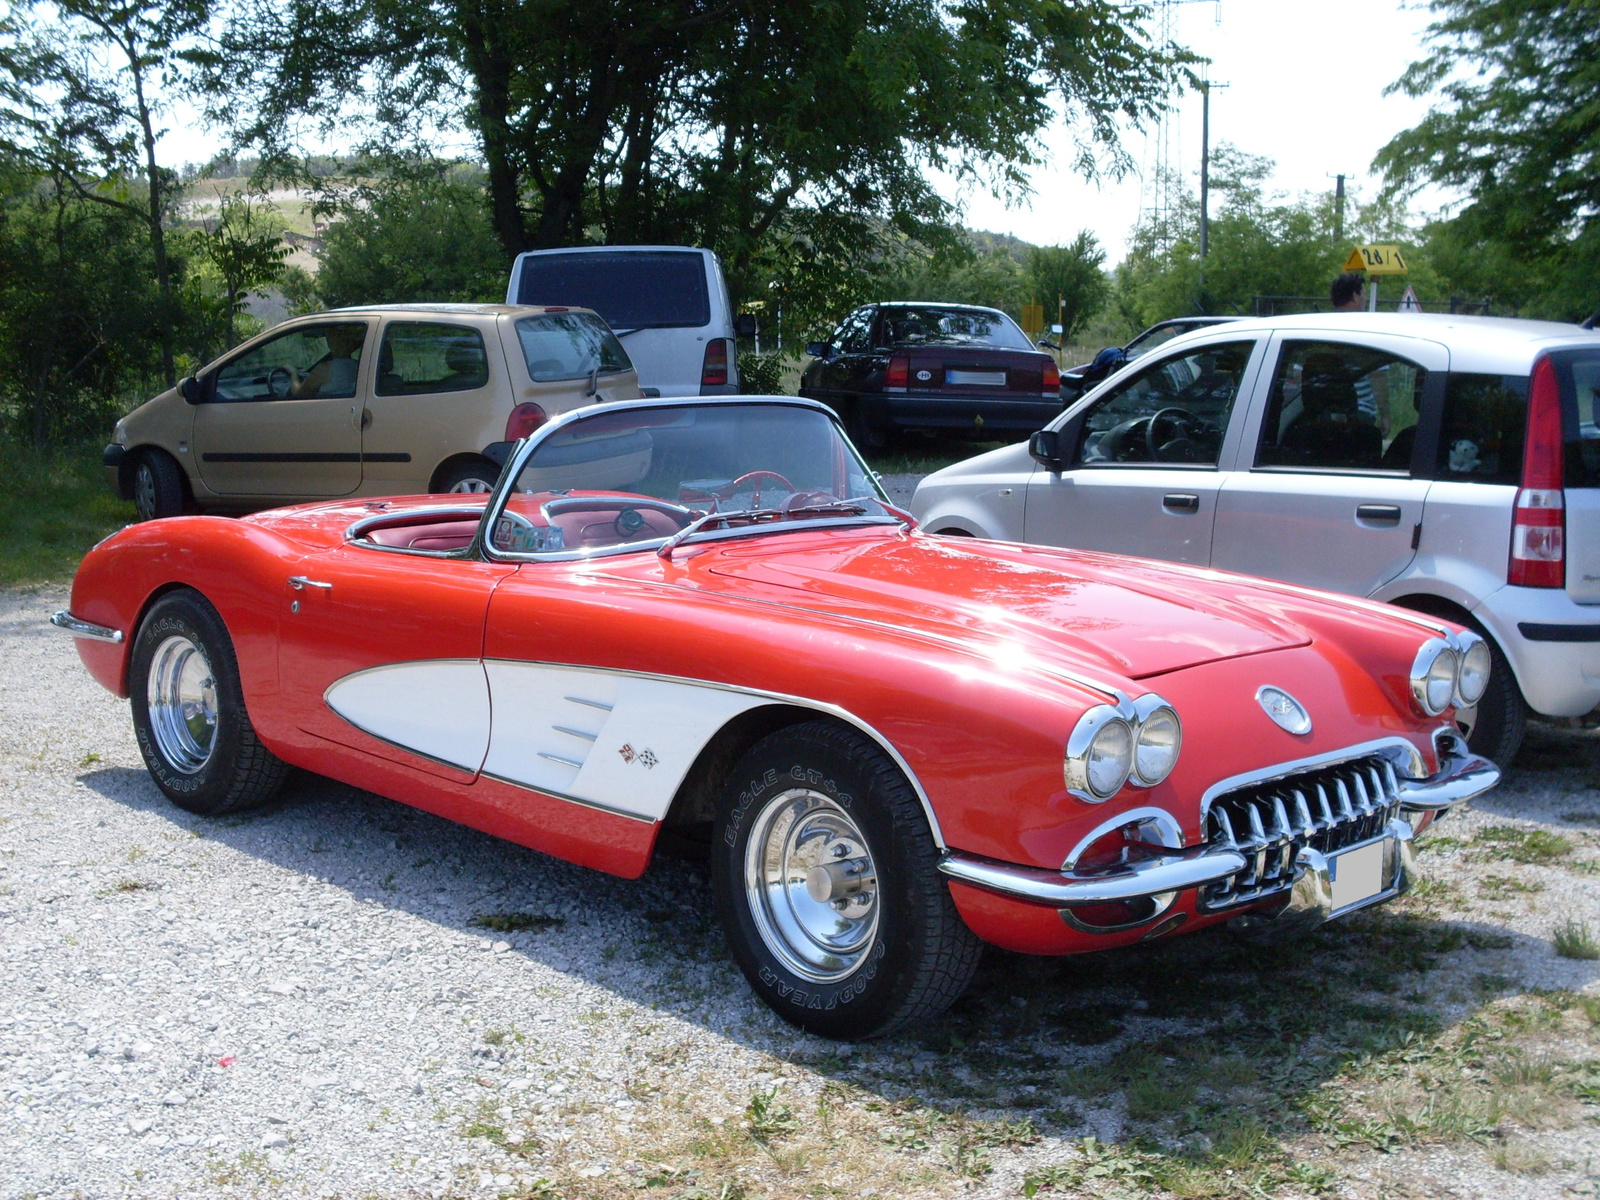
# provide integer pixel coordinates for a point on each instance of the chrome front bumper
(1462, 775)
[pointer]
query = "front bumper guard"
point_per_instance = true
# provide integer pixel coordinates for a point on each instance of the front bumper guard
(1462, 775)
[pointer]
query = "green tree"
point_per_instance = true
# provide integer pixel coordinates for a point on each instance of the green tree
(411, 235)
(1076, 275)
(755, 129)
(245, 245)
(1517, 127)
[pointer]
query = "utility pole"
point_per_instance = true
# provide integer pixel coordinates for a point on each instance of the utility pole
(1338, 209)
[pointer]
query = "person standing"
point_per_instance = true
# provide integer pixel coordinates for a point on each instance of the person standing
(1348, 292)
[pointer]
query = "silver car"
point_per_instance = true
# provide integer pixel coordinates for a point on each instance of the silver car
(1450, 465)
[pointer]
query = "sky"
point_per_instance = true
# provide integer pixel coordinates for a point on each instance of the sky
(1305, 88)
(1305, 82)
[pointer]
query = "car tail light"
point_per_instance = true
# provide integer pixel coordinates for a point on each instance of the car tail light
(1539, 527)
(524, 419)
(1051, 383)
(714, 370)
(897, 374)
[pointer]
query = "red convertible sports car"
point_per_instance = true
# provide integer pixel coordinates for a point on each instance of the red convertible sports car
(704, 616)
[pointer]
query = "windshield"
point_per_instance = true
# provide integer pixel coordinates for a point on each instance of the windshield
(632, 479)
(907, 326)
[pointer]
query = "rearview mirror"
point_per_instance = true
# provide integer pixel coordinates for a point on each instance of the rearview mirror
(189, 388)
(1047, 344)
(744, 325)
(819, 349)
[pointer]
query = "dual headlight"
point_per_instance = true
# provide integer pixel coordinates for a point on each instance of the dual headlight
(1137, 740)
(1450, 671)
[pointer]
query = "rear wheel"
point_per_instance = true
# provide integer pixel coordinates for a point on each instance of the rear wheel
(470, 478)
(827, 882)
(188, 711)
(157, 485)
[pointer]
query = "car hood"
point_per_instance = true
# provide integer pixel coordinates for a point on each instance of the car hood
(1092, 612)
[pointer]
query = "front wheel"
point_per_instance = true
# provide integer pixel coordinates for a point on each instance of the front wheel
(157, 485)
(472, 478)
(188, 711)
(826, 879)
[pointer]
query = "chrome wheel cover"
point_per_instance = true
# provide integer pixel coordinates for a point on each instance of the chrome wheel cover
(181, 696)
(471, 487)
(144, 491)
(812, 885)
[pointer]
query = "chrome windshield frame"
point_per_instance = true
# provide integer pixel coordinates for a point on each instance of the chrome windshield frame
(525, 449)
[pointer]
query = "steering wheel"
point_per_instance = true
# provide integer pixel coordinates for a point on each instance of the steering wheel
(754, 479)
(1182, 419)
(796, 500)
(281, 381)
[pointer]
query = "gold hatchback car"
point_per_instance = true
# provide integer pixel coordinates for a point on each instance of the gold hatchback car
(377, 401)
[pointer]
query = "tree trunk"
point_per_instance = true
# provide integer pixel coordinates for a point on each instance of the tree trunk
(158, 239)
(491, 75)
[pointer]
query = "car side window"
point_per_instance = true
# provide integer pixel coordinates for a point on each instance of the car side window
(1174, 411)
(416, 356)
(312, 362)
(1337, 406)
(855, 334)
(1480, 437)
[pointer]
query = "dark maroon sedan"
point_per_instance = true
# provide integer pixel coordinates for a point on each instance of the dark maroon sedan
(951, 369)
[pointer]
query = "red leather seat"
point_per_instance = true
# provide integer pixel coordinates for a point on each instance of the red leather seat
(436, 535)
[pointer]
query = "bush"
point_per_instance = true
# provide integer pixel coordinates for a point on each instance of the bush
(761, 374)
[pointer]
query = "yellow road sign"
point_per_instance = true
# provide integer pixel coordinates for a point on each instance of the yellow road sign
(1032, 319)
(1376, 260)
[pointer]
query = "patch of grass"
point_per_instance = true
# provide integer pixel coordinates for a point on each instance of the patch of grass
(1576, 940)
(516, 922)
(1538, 846)
(53, 507)
(1503, 887)
(768, 1117)
(124, 886)
(919, 457)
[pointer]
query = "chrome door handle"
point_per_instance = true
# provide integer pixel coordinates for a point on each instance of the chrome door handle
(300, 582)
(1185, 502)
(1381, 514)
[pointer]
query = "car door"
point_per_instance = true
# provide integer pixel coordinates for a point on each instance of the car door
(366, 632)
(1325, 493)
(842, 376)
(435, 393)
(283, 417)
(1142, 473)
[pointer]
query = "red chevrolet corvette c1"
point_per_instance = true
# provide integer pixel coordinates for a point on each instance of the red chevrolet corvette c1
(704, 615)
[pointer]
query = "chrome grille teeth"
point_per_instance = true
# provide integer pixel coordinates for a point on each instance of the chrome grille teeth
(1278, 821)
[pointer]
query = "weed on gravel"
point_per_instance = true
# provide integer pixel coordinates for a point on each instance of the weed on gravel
(1574, 939)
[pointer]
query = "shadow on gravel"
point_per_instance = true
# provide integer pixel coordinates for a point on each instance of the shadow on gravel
(1215, 1047)
(1556, 775)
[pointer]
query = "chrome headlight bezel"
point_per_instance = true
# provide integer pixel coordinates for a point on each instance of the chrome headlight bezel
(1152, 712)
(1469, 645)
(1126, 719)
(1426, 678)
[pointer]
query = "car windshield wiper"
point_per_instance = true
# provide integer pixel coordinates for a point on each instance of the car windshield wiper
(759, 516)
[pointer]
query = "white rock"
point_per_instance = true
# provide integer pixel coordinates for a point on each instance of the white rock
(273, 1141)
(140, 1125)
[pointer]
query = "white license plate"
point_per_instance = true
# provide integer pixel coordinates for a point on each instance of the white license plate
(1357, 875)
(976, 378)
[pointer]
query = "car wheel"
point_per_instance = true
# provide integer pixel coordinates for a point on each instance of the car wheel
(826, 877)
(865, 433)
(157, 485)
(472, 478)
(1494, 726)
(188, 711)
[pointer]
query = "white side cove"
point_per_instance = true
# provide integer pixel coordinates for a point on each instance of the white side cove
(618, 742)
(440, 708)
(609, 739)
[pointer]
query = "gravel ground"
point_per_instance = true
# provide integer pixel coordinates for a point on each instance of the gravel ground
(305, 1001)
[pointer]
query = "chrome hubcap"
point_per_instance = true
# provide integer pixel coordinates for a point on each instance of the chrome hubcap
(812, 885)
(474, 487)
(182, 699)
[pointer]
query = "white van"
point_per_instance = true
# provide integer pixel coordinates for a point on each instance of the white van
(668, 304)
